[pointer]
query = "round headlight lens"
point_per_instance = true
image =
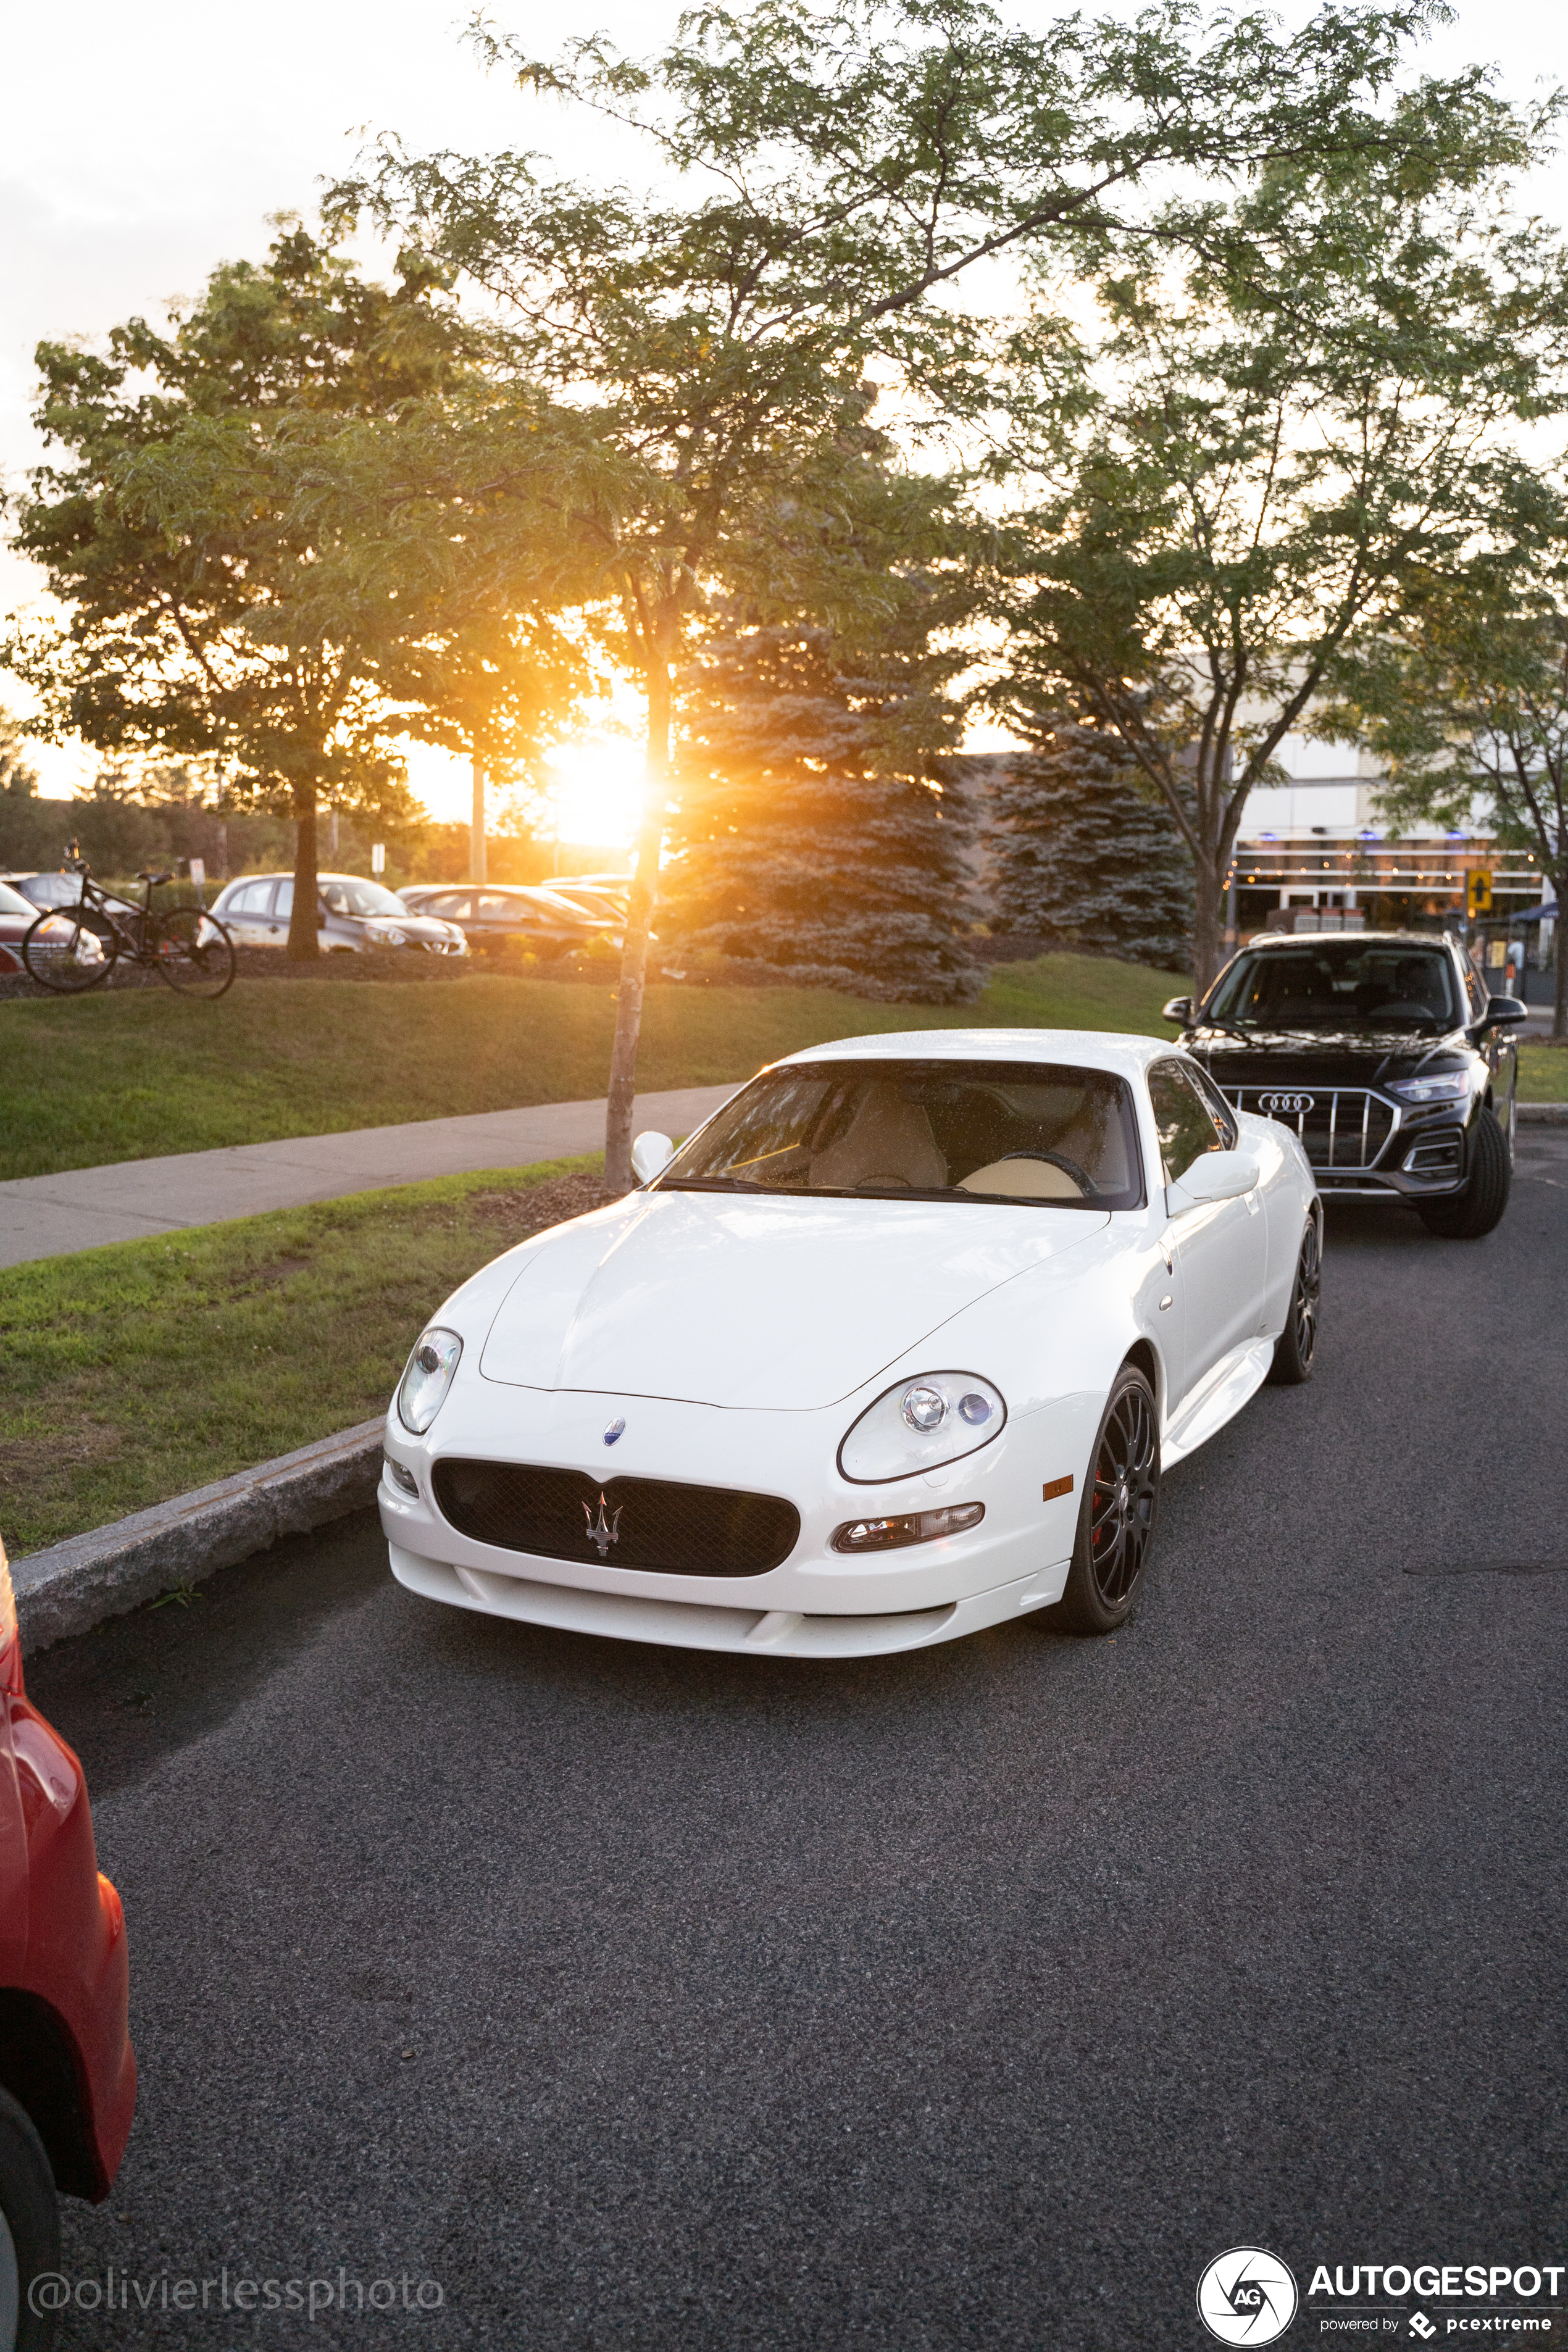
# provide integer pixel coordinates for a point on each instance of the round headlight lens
(920, 1424)
(423, 1385)
(924, 1408)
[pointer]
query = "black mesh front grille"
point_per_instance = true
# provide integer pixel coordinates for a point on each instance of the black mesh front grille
(650, 1523)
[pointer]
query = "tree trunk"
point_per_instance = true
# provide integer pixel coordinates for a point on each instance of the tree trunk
(639, 916)
(476, 823)
(303, 945)
(1208, 925)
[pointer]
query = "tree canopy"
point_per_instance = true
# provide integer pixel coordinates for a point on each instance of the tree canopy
(825, 178)
(1236, 483)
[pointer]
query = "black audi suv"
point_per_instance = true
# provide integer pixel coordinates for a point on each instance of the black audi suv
(1385, 1054)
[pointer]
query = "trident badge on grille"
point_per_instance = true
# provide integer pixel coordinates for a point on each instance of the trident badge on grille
(603, 1531)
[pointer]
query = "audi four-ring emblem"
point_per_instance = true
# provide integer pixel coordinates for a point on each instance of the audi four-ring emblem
(1272, 1104)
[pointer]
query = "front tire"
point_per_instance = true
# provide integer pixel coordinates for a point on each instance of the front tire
(1298, 1343)
(29, 2229)
(1117, 1518)
(68, 956)
(1466, 1215)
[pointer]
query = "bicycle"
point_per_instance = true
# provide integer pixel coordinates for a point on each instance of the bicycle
(70, 949)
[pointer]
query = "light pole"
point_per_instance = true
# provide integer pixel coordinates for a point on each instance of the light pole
(477, 822)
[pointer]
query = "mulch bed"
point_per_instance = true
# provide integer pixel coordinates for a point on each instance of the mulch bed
(532, 1208)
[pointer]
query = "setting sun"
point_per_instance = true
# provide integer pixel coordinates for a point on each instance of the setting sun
(597, 791)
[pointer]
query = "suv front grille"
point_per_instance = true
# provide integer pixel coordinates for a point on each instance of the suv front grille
(656, 1523)
(1339, 1127)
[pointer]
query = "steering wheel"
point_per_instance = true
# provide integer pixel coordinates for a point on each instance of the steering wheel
(1080, 1176)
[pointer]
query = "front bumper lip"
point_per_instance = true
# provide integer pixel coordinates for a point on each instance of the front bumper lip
(776, 1633)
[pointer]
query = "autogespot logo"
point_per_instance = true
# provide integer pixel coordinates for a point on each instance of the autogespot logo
(1246, 2296)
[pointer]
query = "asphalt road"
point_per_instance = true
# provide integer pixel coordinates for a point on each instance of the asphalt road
(637, 1998)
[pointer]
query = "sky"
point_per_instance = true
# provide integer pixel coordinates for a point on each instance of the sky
(143, 146)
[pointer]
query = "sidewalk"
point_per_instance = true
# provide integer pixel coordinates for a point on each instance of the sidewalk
(47, 1216)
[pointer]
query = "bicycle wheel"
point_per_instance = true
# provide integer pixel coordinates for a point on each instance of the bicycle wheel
(62, 953)
(193, 952)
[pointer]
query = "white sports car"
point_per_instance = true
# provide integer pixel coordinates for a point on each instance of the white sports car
(894, 1348)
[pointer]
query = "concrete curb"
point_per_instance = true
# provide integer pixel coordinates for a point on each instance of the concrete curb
(1543, 1114)
(75, 1585)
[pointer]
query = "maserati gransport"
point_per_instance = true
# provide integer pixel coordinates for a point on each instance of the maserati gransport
(897, 1346)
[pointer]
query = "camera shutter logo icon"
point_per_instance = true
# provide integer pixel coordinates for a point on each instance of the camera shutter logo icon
(1246, 2296)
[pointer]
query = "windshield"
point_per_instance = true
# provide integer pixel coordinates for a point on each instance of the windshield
(1028, 1133)
(12, 903)
(344, 894)
(1340, 985)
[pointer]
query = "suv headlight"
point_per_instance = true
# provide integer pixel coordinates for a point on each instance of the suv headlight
(1445, 1085)
(923, 1422)
(423, 1388)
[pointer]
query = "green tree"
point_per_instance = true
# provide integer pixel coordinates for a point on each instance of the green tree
(1468, 703)
(834, 170)
(1240, 479)
(183, 527)
(819, 838)
(1083, 852)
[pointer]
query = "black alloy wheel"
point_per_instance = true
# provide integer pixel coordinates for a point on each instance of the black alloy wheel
(66, 955)
(1298, 1343)
(1467, 1216)
(194, 953)
(1117, 1518)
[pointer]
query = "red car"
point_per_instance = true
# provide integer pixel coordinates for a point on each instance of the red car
(17, 915)
(68, 2077)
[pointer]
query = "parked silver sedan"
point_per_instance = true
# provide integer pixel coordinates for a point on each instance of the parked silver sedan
(355, 916)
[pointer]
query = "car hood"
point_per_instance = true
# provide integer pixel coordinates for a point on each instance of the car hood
(783, 1304)
(415, 927)
(1323, 1057)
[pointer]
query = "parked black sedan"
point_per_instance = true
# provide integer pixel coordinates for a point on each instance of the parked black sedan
(493, 915)
(1385, 1054)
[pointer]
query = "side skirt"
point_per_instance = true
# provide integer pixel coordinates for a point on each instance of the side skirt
(1234, 1378)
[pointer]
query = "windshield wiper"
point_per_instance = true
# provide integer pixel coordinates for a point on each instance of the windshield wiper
(713, 1184)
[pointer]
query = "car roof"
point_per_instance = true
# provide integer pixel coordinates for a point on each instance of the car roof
(1093, 1049)
(1271, 940)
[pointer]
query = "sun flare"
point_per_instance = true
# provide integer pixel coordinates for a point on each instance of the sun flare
(596, 794)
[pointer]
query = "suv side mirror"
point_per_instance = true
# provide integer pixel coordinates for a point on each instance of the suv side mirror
(1505, 1012)
(651, 1154)
(1180, 1008)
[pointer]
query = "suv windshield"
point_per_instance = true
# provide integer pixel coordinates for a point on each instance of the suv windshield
(1022, 1132)
(1340, 985)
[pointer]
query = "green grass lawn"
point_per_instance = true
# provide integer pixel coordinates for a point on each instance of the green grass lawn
(135, 1372)
(1542, 1074)
(142, 1071)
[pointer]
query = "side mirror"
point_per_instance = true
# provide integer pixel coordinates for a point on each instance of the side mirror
(651, 1154)
(1505, 1012)
(1213, 1176)
(1180, 1008)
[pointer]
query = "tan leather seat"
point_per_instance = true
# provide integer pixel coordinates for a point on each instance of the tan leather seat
(889, 1141)
(1023, 1179)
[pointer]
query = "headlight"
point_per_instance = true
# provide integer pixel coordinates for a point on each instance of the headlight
(935, 1418)
(1446, 1087)
(423, 1385)
(391, 937)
